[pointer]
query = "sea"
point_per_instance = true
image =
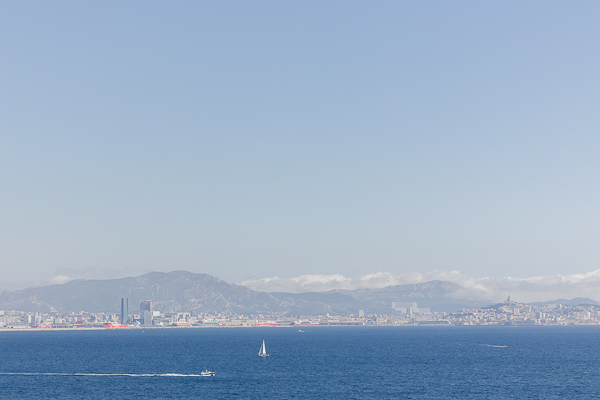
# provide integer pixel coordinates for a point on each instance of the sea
(444, 362)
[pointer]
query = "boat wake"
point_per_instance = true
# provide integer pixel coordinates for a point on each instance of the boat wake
(94, 374)
(494, 345)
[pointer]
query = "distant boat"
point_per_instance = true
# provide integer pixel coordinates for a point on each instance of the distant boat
(263, 350)
(207, 373)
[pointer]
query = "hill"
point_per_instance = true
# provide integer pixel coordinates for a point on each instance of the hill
(197, 293)
(573, 302)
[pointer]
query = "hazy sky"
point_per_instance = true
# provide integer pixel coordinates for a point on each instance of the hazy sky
(257, 139)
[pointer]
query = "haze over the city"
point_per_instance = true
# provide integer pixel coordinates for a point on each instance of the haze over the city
(303, 146)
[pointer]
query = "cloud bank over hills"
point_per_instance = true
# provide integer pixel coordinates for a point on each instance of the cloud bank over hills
(537, 288)
(447, 291)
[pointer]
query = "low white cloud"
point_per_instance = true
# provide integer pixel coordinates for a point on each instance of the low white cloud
(91, 273)
(60, 279)
(537, 288)
(303, 283)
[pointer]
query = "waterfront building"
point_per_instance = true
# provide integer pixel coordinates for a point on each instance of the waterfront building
(146, 318)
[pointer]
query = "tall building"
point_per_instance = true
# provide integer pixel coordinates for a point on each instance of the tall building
(146, 312)
(124, 310)
(146, 318)
(146, 305)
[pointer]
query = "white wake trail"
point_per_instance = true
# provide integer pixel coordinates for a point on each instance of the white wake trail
(95, 374)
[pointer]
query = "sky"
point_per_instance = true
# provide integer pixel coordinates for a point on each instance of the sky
(273, 140)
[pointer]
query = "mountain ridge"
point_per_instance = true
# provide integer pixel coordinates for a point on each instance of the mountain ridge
(566, 302)
(203, 293)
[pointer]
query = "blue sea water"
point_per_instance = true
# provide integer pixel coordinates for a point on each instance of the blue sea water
(320, 363)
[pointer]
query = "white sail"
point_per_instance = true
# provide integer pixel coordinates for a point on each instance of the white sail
(263, 350)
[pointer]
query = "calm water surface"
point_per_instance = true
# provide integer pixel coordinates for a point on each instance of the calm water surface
(320, 363)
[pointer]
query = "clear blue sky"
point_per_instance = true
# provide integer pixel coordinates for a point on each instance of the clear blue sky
(253, 139)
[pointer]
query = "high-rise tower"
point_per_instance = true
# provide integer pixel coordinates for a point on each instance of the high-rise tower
(146, 312)
(124, 311)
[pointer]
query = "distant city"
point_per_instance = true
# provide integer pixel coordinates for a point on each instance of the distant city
(404, 314)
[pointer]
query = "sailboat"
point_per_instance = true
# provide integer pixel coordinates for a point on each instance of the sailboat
(263, 350)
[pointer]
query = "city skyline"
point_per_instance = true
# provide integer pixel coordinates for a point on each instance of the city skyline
(301, 144)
